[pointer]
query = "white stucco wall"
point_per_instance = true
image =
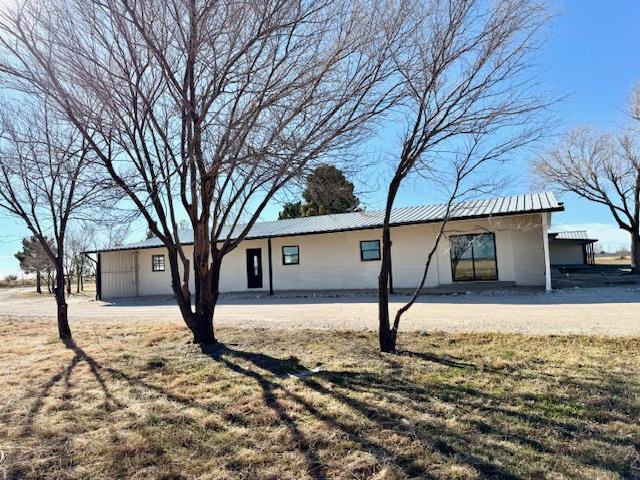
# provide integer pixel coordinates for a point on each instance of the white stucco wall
(332, 261)
(519, 248)
(566, 253)
(150, 282)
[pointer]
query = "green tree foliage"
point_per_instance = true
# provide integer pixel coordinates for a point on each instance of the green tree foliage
(33, 258)
(291, 210)
(328, 191)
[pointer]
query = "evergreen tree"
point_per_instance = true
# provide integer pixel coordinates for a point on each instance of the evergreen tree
(33, 259)
(328, 191)
(291, 210)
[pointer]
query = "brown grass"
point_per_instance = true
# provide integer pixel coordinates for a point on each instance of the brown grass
(27, 282)
(89, 290)
(138, 401)
(613, 260)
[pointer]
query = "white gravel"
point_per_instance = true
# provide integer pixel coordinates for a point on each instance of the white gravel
(611, 311)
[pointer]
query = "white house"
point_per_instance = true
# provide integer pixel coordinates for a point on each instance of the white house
(502, 240)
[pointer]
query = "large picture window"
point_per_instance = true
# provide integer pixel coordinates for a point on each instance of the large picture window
(473, 257)
(157, 263)
(291, 255)
(370, 250)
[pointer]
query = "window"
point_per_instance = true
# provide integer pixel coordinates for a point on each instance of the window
(370, 250)
(157, 263)
(291, 255)
(473, 257)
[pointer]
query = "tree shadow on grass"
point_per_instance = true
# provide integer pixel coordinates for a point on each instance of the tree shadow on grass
(383, 417)
(277, 367)
(490, 417)
(65, 375)
(490, 459)
(442, 360)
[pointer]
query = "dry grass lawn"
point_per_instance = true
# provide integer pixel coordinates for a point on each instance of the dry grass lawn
(89, 290)
(138, 401)
(613, 260)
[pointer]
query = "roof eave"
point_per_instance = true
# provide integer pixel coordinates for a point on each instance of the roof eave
(575, 240)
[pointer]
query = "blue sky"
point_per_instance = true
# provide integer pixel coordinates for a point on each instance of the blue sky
(592, 55)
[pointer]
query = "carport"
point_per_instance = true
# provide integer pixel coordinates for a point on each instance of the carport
(571, 248)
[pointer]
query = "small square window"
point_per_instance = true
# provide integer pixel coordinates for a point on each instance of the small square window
(291, 255)
(370, 250)
(157, 263)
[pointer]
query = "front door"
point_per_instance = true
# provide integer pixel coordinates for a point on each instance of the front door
(254, 268)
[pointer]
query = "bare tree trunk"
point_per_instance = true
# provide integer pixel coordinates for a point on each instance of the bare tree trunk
(635, 250)
(203, 333)
(200, 321)
(38, 282)
(63, 321)
(386, 336)
(206, 301)
(78, 274)
(205, 290)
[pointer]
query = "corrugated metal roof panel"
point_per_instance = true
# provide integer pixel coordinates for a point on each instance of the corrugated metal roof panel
(509, 205)
(573, 235)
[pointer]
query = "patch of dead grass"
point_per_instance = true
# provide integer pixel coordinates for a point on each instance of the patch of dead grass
(138, 401)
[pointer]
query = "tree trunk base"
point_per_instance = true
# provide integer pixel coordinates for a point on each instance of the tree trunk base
(205, 342)
(203, 333)
(64, 332)
(388, 342)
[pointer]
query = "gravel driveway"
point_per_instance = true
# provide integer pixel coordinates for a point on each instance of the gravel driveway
(606, 311)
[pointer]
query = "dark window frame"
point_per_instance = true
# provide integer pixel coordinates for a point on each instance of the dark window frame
(153, 263)
(362, 259)
(473, 259)
(284, 256)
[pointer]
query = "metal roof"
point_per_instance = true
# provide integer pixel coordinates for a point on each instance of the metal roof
(576, 235)
(500, 206)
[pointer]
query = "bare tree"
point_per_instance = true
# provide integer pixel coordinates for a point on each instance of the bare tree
(603, 168)
(203, 110)
(468, 77)
(44, 181)
(79, 240)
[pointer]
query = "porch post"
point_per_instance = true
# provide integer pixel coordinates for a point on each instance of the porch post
(545, 245)
(270, 267)
(99, 279)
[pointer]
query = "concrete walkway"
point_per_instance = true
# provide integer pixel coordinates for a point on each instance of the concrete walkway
(603, 311)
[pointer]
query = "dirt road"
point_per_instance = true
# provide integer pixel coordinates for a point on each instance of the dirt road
(607, 311)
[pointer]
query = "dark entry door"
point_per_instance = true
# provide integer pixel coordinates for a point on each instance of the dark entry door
(254, 268)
